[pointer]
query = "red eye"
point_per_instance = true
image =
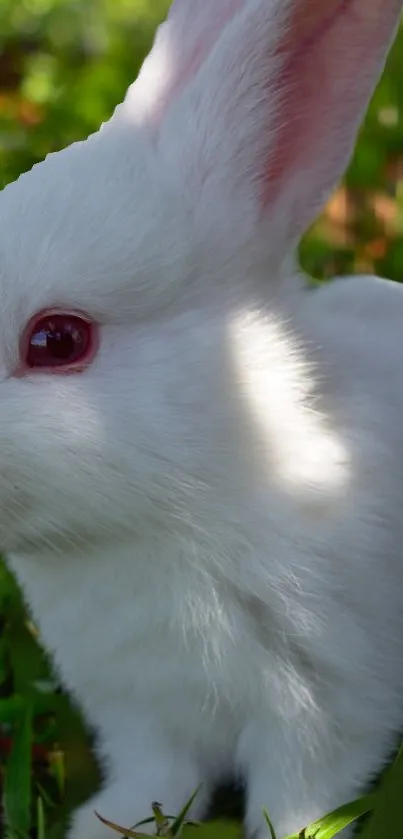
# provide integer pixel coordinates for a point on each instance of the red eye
(59, 342)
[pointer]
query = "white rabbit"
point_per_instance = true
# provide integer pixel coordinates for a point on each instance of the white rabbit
(205, 514)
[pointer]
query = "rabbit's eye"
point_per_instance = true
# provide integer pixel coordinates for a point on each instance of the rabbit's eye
(58, 342)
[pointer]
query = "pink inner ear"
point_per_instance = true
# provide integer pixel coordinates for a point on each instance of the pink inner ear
(306, 26)
(193, 28)
(304, 85)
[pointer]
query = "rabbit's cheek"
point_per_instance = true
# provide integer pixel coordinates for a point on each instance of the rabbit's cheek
(51, 444)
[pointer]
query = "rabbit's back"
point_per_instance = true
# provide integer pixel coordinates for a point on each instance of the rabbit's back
(353, 333)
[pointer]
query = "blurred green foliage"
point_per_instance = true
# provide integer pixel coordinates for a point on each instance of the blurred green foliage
(64, 65)
(361, 229)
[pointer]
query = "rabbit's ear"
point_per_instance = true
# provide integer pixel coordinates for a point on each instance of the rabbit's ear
(261, 99)
(329, 57)
(181, 47)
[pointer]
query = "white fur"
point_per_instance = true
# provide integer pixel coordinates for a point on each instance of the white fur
(207, 522)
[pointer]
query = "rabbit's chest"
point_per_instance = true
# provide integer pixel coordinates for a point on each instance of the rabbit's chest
(174, 646)
(196, 662)
(133, 640)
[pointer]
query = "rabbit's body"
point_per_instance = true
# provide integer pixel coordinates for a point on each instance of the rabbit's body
(273, 597)
(205, 513)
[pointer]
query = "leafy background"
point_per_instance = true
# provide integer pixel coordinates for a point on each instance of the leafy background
(64, 64)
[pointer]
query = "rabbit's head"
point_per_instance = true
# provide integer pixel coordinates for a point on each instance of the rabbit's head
(123, 257)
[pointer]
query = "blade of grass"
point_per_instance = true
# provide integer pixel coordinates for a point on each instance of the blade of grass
(180, 820)
(387, 818)
(161, 821)
(269, 824)
(40, 819)
(17, 784)
(11, 709)
(123, 831)
(213, 830)
(44, 796)
(57, 769)
(333, 823)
